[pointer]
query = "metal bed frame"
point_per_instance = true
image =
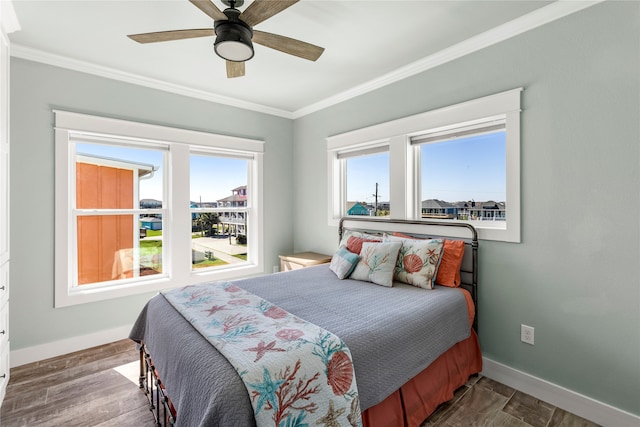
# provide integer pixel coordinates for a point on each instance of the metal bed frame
(159, 403)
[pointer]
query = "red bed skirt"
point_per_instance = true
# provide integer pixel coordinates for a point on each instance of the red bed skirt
(417, 399)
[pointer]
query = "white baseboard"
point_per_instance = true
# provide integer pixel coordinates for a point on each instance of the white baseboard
(69, 345)
(576, 403)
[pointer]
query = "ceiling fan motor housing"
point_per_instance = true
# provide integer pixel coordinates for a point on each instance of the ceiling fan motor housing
(233, 38)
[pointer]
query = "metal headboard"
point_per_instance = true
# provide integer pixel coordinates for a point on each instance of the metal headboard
(457, 230)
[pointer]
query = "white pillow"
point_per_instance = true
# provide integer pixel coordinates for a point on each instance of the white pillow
(377, 263)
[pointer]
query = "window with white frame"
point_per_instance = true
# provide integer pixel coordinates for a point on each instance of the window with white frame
(140, 207)
(457, 163)
(220, 219)
(463, 173)
(364, 177)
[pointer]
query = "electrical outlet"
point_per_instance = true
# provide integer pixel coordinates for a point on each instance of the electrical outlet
(276, 268)
(527, 334)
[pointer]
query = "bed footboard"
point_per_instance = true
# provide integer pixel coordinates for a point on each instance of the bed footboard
(159, 403)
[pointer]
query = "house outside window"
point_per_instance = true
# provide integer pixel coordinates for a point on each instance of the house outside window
(125, 208)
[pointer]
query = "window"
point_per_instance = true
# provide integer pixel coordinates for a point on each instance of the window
(457, 163)
(141, 208)
(113, 189)
(367, 185)
(362, 179)
(220, 211)
(463, 174)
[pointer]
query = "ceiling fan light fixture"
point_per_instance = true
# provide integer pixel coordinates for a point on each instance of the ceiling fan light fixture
(233, 41)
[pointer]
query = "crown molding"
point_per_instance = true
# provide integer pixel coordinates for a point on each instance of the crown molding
(23, 52)
(8, 18)
(537, 18)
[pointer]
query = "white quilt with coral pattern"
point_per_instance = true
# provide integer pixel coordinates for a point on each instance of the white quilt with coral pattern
(296, 373)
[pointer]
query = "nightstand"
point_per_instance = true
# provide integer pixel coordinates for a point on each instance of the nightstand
(302, 260)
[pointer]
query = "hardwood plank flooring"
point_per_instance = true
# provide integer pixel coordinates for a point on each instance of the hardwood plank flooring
(99, 387)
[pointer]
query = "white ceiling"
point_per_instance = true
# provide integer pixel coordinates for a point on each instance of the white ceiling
(367, 44)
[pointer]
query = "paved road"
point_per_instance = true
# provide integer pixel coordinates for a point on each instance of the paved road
(221, 248)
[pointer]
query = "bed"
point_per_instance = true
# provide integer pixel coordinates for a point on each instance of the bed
(405, 366)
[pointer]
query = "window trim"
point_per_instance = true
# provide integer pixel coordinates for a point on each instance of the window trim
(68, 125)
(337, 159)
(404, 160)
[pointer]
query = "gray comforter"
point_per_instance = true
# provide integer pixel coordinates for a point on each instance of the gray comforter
(392, 333)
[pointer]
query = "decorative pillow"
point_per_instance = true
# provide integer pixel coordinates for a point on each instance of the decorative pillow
(449, 270)
(349, 233)
(343, 262)
(354, 244)
(377, 263)
(418, 261)
(450, 262)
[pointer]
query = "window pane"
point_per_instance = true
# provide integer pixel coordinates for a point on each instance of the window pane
(118, 246)
(109, 248)
(368, 185)
(465, 178)
(219, 202)
(117, 177)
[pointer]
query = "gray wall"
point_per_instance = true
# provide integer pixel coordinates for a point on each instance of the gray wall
(574, 276)
(36, 89)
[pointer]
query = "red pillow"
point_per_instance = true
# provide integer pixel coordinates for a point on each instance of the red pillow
(449, 269)
(354, 244)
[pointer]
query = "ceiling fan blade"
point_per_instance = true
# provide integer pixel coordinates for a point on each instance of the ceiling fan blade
(288, 45)
(261, 10)
(210, 9)
(235, 69)
(165, 36)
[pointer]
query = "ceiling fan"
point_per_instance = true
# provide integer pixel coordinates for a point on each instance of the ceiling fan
(234, 33)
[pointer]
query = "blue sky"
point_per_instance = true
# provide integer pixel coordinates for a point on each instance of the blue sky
(462, 169)
(465, 169)
(470, 168)
(362, 175)
(212, 178)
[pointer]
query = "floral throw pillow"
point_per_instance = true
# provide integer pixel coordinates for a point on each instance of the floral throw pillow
(418, 261)
(377, 263)
(343, 262)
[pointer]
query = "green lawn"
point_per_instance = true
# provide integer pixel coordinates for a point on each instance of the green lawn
(150, 247)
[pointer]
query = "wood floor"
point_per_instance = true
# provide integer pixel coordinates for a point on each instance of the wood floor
(99, 387)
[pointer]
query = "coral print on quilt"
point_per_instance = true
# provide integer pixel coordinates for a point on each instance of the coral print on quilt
(296, 373)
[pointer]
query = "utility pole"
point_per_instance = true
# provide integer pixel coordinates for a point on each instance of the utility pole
(376, 196)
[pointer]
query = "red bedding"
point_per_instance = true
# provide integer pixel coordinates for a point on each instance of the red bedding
(418, 398)
(421, 395)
